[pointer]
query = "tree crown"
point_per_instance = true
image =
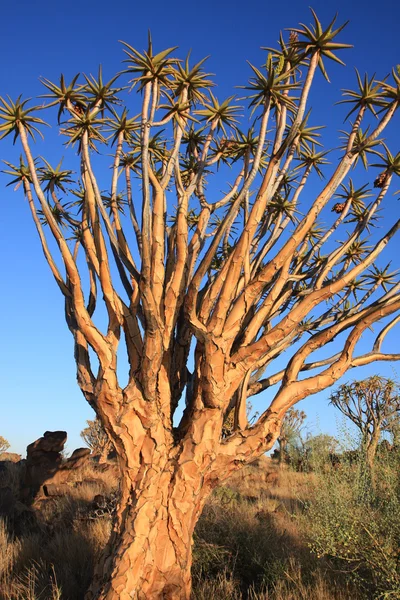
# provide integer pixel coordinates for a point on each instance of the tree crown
(227, 282)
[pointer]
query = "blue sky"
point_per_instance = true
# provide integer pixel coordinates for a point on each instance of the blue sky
(37, 370)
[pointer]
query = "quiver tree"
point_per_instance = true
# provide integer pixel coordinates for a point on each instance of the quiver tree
(207, 290)
(4, 445)
(373, 405)
(95, 436)
(292, 423)
(394, 431)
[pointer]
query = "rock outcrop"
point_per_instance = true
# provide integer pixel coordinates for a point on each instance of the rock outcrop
(27, 484)
(10, 456)
(43, 460)
(48, 474)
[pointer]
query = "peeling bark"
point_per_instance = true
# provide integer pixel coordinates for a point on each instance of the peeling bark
(149, 554)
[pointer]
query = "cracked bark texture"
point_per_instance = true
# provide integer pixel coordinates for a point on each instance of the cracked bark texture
(206, 292)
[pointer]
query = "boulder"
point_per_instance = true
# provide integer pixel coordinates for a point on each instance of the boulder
(52, 441)
(65, 472)
(24, 519)
(43, 460)
(12, 474)
(18, 516)
(10, 456)
(79, 453)
(48, 475)
(3, 469)
(78, 458)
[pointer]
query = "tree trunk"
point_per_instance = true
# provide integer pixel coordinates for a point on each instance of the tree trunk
(103, 456)
(149, 555)
(164, 484)
(372, 448)
(282, 452)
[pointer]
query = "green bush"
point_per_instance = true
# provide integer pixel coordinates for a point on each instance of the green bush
(353, 520)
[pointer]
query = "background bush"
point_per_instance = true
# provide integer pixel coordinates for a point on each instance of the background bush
(353, 519)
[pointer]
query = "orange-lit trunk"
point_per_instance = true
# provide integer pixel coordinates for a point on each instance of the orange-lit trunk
(149, 555)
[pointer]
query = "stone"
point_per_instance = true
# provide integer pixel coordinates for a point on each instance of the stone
(12, 474)
(52, 441)
(78, 458)
(80, 453)
(18, 516)
(10, 456)
(3, 469)
(24, 519)
(48, 476)
(43, 460)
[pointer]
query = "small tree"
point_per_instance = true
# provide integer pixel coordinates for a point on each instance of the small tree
(95, 436)
(373, 405)
(206, 290)
(290, 430)
(393, 428)
(320, 449)
(322, 443)
(4, 445)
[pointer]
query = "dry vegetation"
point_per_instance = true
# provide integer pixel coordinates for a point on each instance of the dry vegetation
(250, 543)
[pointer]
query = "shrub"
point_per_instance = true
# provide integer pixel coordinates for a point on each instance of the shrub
(353, 519)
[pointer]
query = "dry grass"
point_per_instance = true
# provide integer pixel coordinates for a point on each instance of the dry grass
(54, 559)
(91, 472)
(8, 552)
(248, 544)
(290, 586)
(10, 476)
(53, 567)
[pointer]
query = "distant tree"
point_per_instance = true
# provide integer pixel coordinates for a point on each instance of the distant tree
(373, 405)
(95, 436)
(320, 449)
(310, 451)
(393, 429)
(322, 443)
(4, 445)
(291, 426)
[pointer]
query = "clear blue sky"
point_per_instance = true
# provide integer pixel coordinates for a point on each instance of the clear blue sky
(38, 388)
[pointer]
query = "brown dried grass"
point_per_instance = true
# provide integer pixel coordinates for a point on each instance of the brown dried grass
(248, 545)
